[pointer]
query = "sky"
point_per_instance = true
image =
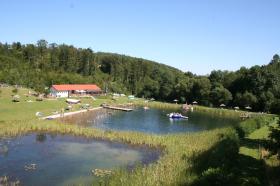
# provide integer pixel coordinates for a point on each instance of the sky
(191, 35)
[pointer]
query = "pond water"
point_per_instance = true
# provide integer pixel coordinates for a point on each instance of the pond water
(150, 121)
(66, 160)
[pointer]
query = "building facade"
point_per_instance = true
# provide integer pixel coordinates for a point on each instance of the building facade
(74, 90)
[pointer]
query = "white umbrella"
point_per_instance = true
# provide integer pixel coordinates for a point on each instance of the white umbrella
(248, 108)
(222, 105)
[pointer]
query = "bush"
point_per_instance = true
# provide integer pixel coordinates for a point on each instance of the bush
(251, 181)
(215, 176)
(275, 106)
(248, 126)
(15, 90)
(214, 166)
(274, 140)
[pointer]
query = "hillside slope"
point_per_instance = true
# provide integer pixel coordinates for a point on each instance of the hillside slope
(41, 65)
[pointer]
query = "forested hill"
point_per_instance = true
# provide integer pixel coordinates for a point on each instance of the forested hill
(42, 64)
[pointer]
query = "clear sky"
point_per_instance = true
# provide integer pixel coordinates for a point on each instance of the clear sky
(192, 35)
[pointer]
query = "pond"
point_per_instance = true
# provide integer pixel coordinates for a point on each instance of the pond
(43, 159)
(150, 121)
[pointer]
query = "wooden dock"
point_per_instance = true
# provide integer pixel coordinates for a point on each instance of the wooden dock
(60, 115)
(118, 108)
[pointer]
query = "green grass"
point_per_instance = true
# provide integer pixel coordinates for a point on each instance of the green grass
(224, 112)
(157, 104)
(255, 140)
(228, 113)
(24, 110)
(252, 147)
(261, 133)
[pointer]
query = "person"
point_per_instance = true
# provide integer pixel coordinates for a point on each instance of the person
(62, 112)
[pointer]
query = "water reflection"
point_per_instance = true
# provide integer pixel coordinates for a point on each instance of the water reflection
(4, 150)
(150, 121)
(41, 138)
(90, 118)
(42, 159)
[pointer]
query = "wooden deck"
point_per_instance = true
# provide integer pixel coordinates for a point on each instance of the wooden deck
(60, 115)
(118, 108)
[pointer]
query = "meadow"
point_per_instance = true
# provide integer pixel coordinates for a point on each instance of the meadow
(215, 157)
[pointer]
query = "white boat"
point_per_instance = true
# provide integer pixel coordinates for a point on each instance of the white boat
(73, 101)
(176, 116)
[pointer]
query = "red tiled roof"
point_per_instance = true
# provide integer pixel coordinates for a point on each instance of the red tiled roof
(69, 87)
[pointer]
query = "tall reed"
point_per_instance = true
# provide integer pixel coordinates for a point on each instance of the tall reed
(178, 149)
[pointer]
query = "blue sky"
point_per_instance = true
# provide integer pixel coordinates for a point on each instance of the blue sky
(192, 35)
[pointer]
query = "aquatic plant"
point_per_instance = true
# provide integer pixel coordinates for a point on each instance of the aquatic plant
(6, 181)
(228, 113)
(156, 104)
(179, 150)
(102, 172)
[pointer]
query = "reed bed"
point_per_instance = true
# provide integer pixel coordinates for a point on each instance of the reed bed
(229, 113)
(170, 169)
(223, 112)
(158, 105)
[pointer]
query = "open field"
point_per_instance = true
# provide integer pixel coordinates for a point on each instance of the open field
(25, 110)
(188, 159)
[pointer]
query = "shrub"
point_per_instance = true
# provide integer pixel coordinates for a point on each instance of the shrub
(248, 126)
(215, 165)
(215, 176)
(15, 90)
(251, 181)
(274, 140)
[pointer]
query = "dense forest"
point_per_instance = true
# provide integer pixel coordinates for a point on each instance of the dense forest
(41, 65)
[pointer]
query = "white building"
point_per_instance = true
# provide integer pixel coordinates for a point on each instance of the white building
(59, 94)
(68, 90)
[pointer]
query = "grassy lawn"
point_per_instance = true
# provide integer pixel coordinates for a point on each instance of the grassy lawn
(253, 142)
(252, 147)
(28, 106)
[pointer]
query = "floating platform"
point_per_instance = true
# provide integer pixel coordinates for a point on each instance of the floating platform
(176, 116)
(118, 108)
(181, 117)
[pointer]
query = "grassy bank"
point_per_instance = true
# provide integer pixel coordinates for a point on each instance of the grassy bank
(171, 168)
(157, 104)
(225, 112)
(228, 113)
(253, 146)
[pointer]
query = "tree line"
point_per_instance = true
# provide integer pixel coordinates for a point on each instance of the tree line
(42, 64)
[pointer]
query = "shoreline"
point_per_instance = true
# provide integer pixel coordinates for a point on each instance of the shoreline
(55, 116)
